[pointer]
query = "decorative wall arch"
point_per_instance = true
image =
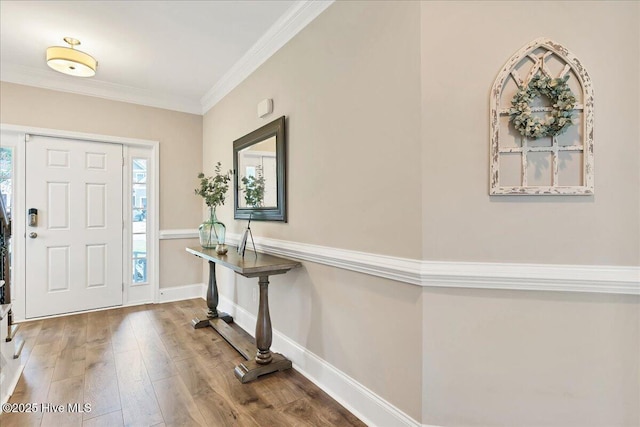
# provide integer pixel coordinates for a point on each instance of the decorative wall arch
(554, 165)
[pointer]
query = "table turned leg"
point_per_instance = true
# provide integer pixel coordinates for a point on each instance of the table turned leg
(212, 302)
(212, 292)
(263, 324)
(265, 362)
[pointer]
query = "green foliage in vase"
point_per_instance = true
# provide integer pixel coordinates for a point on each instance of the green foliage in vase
(213, 189)
(254, 189)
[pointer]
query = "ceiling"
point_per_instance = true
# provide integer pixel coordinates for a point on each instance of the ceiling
(180, 55)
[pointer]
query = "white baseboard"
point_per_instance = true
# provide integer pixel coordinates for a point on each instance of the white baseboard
(11, 387)
(179, 293)
(359, 400)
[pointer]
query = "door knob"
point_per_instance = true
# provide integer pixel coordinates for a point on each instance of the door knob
(33, 234)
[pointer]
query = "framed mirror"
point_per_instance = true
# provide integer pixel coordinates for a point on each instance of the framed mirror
(259, 164)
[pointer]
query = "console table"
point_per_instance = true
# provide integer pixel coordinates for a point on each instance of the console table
(260, 359)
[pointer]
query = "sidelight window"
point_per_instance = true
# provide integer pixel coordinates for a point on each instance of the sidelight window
(139, 219)
(6, 176)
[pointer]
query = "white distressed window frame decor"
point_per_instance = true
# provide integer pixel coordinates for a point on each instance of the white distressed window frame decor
(545, 47)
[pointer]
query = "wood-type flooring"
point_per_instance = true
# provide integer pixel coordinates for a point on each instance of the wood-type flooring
(146, 366)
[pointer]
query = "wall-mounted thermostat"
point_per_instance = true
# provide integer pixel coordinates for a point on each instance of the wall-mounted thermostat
(265, 107)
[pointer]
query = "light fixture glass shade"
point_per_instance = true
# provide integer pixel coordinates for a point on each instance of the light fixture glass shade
(70, 61)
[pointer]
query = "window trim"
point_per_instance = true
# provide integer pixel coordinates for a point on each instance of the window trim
(137, 293)
(133, 181)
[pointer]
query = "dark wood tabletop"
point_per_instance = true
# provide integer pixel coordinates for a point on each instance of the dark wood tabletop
(251, 265)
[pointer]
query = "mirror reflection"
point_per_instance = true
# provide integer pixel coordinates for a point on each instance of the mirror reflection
(259, 179)
(257, 175)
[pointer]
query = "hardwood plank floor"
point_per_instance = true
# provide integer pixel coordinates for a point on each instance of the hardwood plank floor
(146, 366)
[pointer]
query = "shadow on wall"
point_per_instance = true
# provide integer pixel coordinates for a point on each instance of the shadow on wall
(300, 314)
(295, 306)
(543, 199)
(544, 296)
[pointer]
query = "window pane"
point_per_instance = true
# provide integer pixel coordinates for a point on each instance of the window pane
(139, 258)
(139, 245)
(6, 171)
(139, 218)
(139, 165)
(139, 196)
(139, 270)
(139, 177)
(139, 170)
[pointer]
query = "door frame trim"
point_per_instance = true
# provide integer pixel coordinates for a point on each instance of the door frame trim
(19, 221)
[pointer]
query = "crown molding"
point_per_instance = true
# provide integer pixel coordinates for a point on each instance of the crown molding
(48, 79)
(298, 16)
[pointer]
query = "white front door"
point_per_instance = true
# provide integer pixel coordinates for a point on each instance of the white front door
(74, 252)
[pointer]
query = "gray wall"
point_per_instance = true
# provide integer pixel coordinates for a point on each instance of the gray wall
(519, 357)
(522, 358)
(349, 86)
(387, 106)
(464, 46)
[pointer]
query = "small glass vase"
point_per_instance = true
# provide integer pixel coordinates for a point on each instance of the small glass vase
(212, 233)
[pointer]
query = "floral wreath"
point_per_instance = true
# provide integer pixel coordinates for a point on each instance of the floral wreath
(560, 117)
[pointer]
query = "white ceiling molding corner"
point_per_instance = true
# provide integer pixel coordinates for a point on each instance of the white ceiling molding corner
(48, 79)
(300, 13)
(298, 16)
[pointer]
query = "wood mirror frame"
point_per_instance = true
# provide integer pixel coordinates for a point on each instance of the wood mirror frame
(268, 213)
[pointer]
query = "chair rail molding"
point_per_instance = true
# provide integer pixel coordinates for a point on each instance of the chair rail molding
(481, 275)
(171, 234)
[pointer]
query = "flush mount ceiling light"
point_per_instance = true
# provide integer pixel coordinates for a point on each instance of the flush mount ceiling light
(69, 61)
